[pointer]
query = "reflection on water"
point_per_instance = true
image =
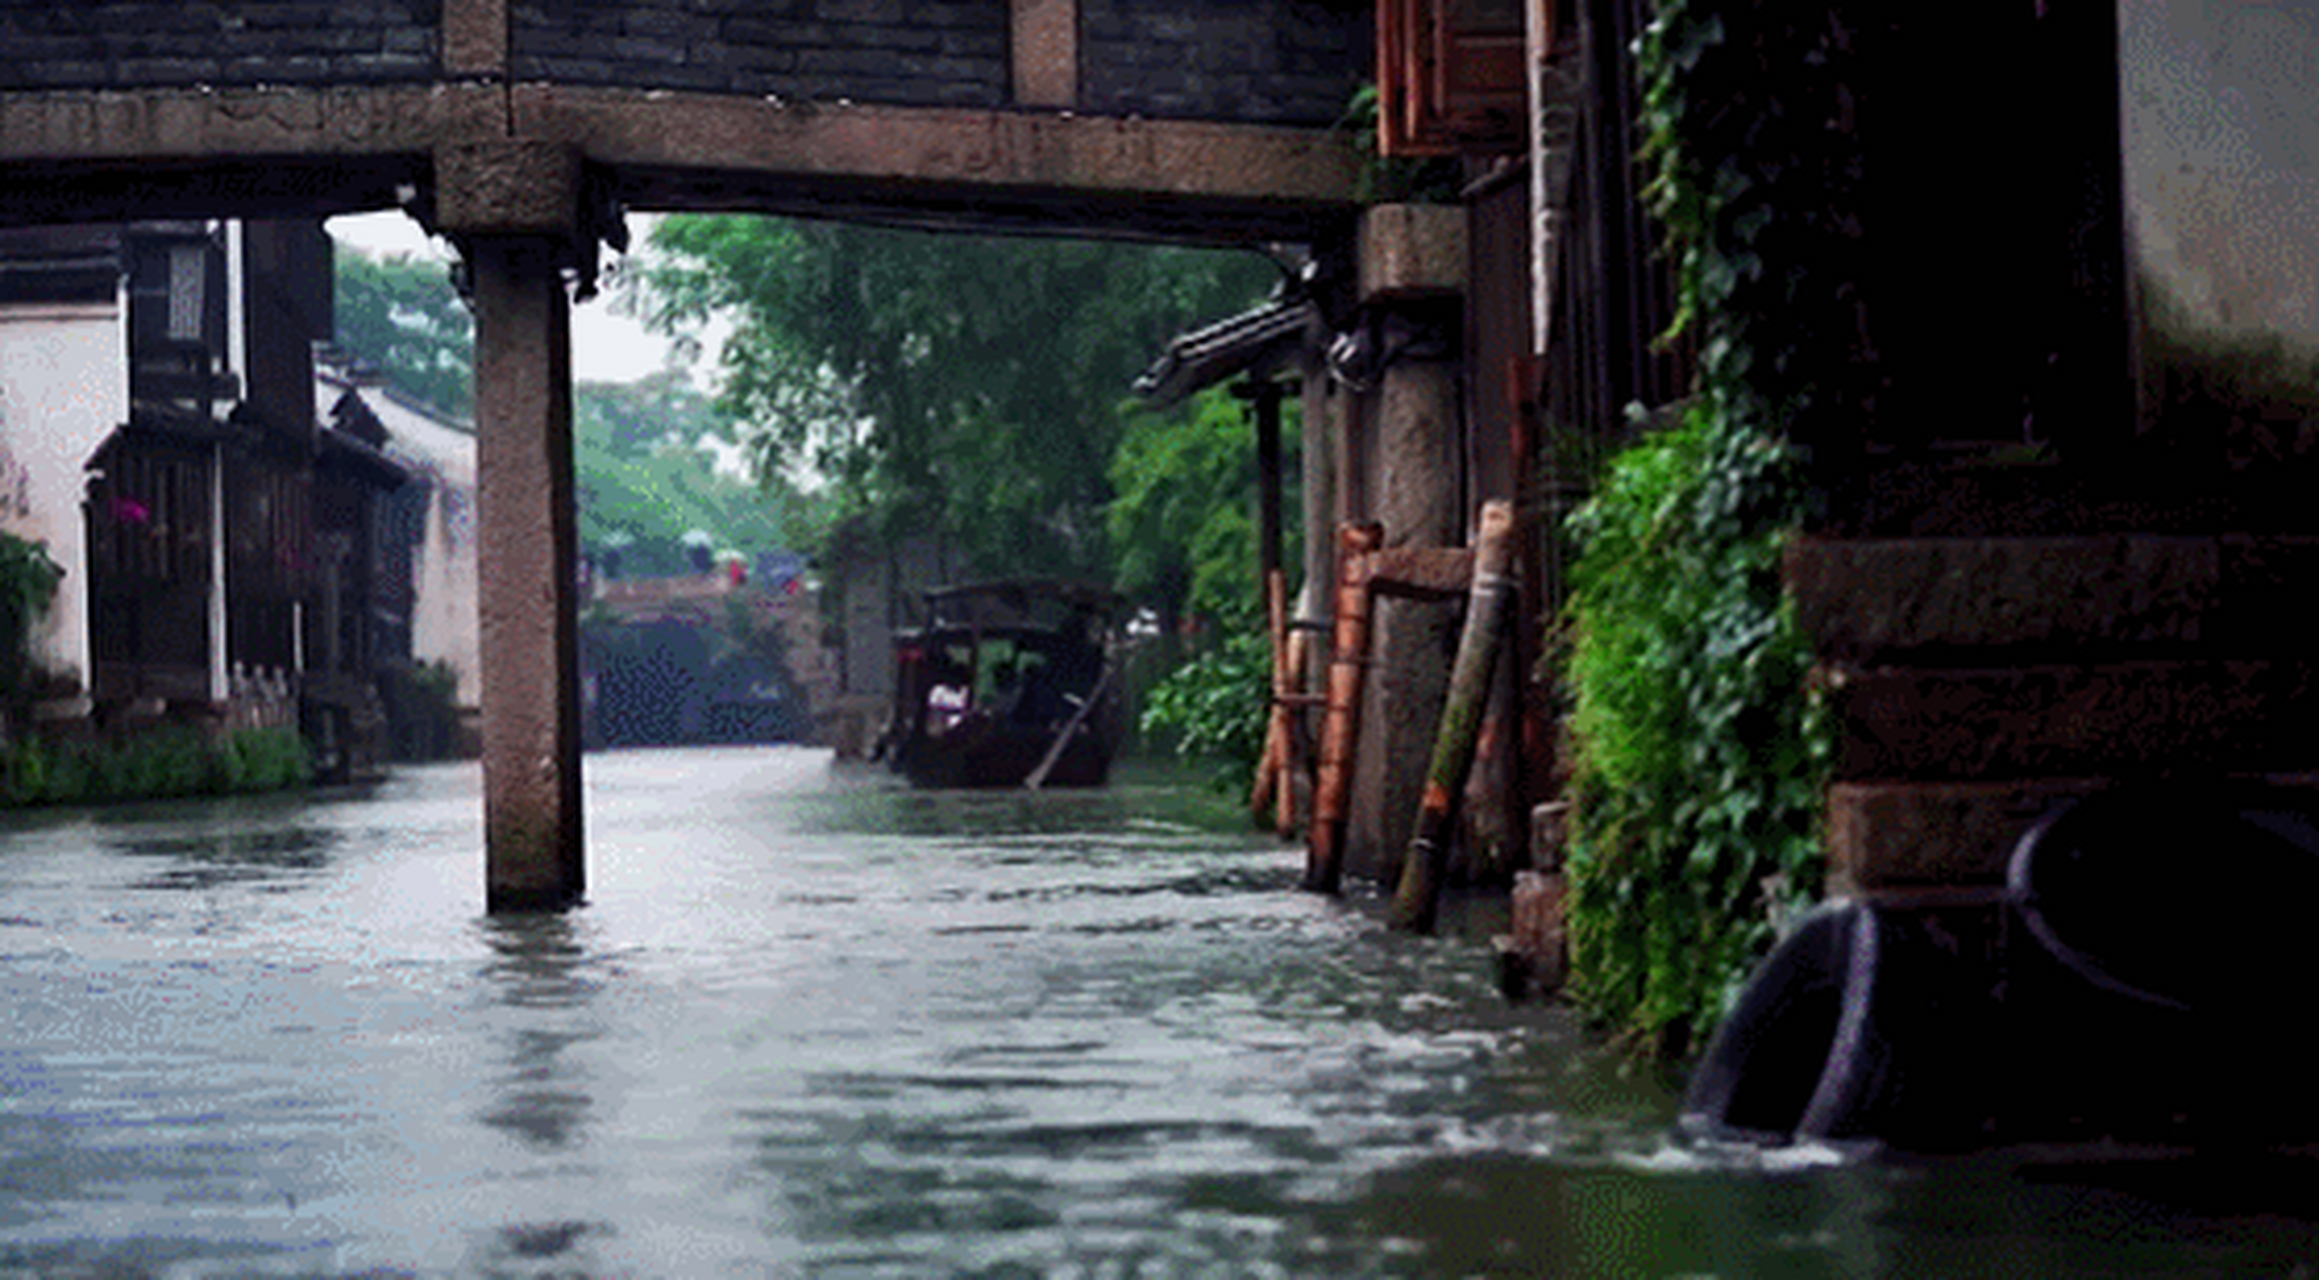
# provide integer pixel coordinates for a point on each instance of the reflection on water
(813, 1024)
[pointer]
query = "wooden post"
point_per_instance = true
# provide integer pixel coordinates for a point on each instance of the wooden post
(1272, 765)
(1276, 612)
(1469, 694)
(1324, 865)
(1272, 788)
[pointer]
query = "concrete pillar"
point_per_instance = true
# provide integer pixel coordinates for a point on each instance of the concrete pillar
(515, 210)
(527, 548)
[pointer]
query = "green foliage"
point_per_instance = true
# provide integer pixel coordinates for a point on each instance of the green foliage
(1700, 752)
(1216, 706)
(265, 760)
(1701, 755)
(28, 580)
(1184, 521)
(402, 314)
(967, 387)
(1387, 179)
(648, 478)
(163, 763)
(644, 452)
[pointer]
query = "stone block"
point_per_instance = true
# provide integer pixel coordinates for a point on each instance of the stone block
(388, 66)
(475, 38)
(1533, 956)
(298, 15)
(2136, 717)
(167, 71)
(1870, 600)
(773, 32)
(55, 74)
(1412, 250)
(278, 70)
(2267, 583)
(667, 23)
(507, 188)
(1913, 835)
(1045, 53)
(885, 39)
(885, 13)
(1864, 600)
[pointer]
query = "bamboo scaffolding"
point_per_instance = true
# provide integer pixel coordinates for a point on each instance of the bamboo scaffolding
(1470, 684)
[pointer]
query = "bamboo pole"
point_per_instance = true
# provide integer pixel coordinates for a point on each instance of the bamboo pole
(1470, 683)
(1276, 608)
(1297, 776)
(1271, 790)
(1324, 865)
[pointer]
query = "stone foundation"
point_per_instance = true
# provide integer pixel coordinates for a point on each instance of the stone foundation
(1977, 683)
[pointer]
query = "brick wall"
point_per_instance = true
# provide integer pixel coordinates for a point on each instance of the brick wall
(1269, 61)
(945, 53)
(81, 44)
(1276, 61)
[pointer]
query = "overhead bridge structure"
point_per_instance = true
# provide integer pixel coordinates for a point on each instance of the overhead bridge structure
(523, 131)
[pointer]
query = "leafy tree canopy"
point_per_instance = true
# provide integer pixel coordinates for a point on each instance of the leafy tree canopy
(646, 452)
(402, 314)
(1184, 521)
(650, 483)
(971, 387)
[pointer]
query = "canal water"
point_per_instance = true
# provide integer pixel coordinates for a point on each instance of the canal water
(814, 1024)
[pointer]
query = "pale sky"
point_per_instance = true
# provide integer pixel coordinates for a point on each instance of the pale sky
(605, 347)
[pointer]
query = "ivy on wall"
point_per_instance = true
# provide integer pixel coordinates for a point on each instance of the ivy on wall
(1700, 753)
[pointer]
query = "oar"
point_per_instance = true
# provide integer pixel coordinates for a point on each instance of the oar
(1038, 776)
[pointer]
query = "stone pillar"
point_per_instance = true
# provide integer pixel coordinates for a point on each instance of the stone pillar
(1412, 272)
(527, 547)
(513, 208)
(1324, 426)
(1044, 39)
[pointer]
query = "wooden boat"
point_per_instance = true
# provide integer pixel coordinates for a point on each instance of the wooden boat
(1008, 684)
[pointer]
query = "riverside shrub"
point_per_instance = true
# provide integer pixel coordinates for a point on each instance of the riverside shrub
(1218, 705)
(1700, 754)
(162, 764)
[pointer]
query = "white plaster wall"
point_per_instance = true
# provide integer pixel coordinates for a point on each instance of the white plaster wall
(445, 625)
(2221, 116)
(63, 389)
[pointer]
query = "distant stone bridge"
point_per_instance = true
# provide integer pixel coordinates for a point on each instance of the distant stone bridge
(522, 130)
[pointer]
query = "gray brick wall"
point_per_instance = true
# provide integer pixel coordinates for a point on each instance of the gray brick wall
(1284, 61)
(1278, 61)
(84, 44)
(946, 53)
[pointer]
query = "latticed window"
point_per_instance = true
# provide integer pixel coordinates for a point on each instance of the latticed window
(151, 516)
